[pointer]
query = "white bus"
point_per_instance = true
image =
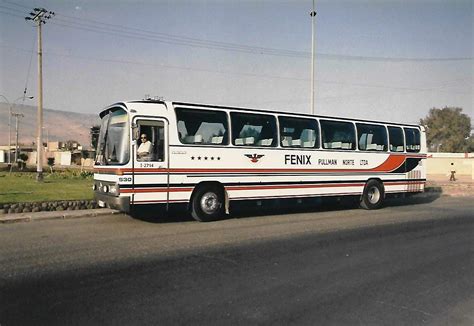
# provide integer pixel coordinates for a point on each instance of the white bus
(207, 157)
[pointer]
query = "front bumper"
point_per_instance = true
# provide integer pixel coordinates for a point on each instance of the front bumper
(120, 203)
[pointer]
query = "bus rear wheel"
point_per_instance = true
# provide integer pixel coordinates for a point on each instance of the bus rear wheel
(373, 195)
(207, 204)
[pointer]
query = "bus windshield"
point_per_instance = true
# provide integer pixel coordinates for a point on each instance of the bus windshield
(113, 147)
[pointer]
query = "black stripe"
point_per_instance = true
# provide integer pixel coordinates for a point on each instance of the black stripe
(409, 165)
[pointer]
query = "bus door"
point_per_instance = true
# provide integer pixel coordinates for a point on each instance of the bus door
(150, 161)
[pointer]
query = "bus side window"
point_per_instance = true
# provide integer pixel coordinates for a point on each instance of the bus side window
(298, 132)
(338, 135)
(412, 139)
(202, 127)
(372, 137)
(397, 143)
(250, 129)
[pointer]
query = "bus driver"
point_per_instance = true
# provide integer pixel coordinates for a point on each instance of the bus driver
(145, 148)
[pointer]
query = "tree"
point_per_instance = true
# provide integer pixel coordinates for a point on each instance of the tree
(447, 130)
(51, 163)
(71, 145)
(94, 132)
(22, 161)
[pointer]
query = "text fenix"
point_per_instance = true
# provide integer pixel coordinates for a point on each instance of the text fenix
(298, 159)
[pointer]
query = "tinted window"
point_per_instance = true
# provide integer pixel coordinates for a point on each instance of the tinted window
(396, 139)
(338, 135)
(253, 129)
(412, 139)
(202, 127)
(372, 137)
(296, 132)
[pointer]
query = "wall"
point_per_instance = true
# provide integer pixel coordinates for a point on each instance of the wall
(62, 158)
(440, 163)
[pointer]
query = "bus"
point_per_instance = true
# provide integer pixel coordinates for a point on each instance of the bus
(162, 153)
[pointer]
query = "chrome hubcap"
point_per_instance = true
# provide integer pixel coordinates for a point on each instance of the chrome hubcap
(374, 195)
(210, 203)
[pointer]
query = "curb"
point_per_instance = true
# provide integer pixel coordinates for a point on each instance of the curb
(42, 216)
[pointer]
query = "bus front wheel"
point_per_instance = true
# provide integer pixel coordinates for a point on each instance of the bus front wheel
(373, 195)
(207, 204)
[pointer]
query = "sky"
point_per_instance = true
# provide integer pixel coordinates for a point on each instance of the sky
(379, 60)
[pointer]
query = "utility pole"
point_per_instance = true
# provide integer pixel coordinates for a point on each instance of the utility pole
(313, 45)
(17, 124)
(10, 137)
(39, 16)
(10, 114)
(9, 130)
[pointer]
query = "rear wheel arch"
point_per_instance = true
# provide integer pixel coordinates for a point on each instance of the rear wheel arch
(209, 201)
(373, 195)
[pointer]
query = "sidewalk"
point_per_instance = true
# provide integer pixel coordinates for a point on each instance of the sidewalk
(462, 187)
(41, 216)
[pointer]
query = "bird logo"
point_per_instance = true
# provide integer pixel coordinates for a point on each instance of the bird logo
(254, 158)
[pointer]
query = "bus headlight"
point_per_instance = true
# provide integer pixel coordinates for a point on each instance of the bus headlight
(114, 189)
(106, 188)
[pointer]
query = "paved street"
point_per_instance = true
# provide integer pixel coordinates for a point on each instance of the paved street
(407, 264)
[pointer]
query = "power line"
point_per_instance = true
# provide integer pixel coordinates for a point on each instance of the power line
(244, 74)
(10, 14)
(141, 34)
(17, 4)
(28, 72)
(183, 41)
(120, 28)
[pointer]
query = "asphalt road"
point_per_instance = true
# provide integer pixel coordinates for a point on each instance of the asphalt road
(407, 264)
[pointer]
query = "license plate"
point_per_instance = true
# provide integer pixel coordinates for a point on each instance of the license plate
(101, 203)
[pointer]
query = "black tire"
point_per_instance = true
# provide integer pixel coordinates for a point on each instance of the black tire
(373, 195)
(208, 204)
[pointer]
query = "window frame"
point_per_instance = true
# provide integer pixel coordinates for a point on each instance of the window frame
(390, 138)
(226, 139)
(372, 125)
(317, 144)
(354, 147)
(151, 123)
(236, 135)
(418, 133)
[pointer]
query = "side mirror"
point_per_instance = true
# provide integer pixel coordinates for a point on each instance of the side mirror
(135, 131)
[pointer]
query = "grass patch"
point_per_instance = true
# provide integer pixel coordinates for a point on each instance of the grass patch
(67, 185)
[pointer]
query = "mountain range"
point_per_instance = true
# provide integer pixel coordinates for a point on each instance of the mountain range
(58, 125)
